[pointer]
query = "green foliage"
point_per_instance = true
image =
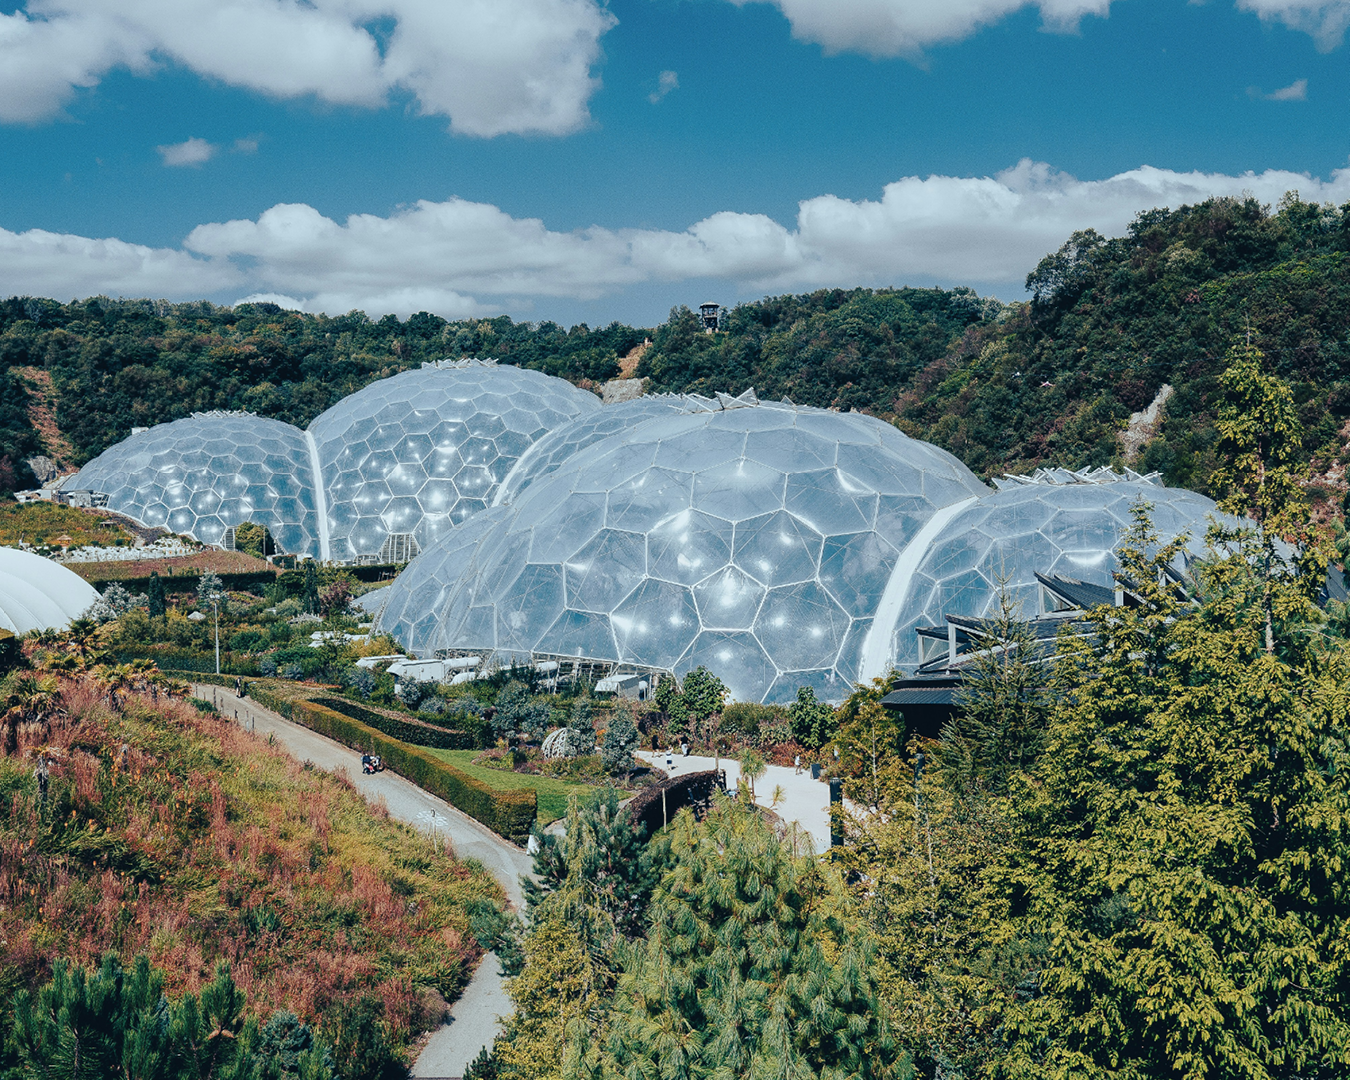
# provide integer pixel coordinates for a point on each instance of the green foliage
(210, 591)
(581, 728)
(840, 348)
(812, 721)
(117, 1022)
(1259, 475)
(519, 711)
(747, 968)
(704, 693)
(309, 589)
(1178, 848)
(621, 739)
(154, 596)
(419, 733)
(254, 539)
(1002, 701)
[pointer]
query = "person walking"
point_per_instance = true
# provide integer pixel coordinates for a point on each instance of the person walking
(797, 764)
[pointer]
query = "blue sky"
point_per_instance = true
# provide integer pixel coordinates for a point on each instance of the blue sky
(529, 156)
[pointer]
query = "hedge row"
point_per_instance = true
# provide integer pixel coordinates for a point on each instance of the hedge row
(507, 813)
(408, 731)
(179, 583)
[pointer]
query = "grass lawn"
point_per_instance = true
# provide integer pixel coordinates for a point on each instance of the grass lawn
(552, 794)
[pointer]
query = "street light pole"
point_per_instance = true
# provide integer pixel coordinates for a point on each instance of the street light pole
(216, 605)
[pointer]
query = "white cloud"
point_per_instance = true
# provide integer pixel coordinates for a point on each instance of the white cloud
(460, 258)
(38, 263)
(192, 152)
(667, 82)
(904, 27)
(491, 66)
(1295, 91)
(1325, 20)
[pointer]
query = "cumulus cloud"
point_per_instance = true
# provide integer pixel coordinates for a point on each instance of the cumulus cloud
(904, 27)
(192, 152)
(38, 263)
(1295, 91)
(460, 258)
(491, 66)
(667, 82)
(1325, 20)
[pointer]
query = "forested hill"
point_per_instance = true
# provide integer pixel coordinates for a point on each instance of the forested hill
(1006, 387)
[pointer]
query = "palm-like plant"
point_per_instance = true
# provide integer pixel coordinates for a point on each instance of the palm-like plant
(30, 699)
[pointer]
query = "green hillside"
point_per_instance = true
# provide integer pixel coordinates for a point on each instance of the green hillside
(1005, 387)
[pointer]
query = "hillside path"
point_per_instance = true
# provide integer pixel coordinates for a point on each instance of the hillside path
(474, 1018)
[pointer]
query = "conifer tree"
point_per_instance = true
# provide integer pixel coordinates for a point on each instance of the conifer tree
(1260, 477)
(154, 596)
(747, 970)
(1179, 847)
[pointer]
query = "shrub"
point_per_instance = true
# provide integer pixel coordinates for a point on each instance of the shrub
(419, 733)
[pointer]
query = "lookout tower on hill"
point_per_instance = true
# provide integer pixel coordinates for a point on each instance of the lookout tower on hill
(711, 317)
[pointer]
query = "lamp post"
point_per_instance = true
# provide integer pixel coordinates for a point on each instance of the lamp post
(215, 603)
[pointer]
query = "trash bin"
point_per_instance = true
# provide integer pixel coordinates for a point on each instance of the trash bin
(815, 770)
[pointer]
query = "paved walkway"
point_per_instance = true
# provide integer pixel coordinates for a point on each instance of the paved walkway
(473, 1021)
(804, 800)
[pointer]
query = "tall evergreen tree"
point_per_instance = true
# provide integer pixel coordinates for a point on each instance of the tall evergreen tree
(1179, 847)
(154, 596)
(748, 969)
(1260, 476)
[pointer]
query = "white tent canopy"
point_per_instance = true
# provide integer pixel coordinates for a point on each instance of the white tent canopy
(36, 593)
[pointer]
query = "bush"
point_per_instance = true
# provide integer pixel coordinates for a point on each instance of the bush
(246, 641)
(410, 731)
(745, 718)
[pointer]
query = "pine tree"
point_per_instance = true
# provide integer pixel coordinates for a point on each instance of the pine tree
(747, 969)
(1260, 476)
(154, 596)
(1179, 847)
(309, 595)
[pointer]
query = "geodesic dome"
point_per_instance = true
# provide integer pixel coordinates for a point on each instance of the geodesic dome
(210, 472)
(1056, 522)
(417, 453)
(546, 456)
(753, 540)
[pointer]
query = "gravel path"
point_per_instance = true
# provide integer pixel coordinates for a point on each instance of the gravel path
(473, 1022)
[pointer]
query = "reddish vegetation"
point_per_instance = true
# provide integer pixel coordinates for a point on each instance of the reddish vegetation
(220, 562)
(174, 834)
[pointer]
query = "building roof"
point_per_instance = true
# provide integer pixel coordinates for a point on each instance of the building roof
(37, 594)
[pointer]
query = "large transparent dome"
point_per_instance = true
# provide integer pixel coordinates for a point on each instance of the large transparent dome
(546, 456)
(753, 540)
(210, 472)
(413, 455)
(1065, 524)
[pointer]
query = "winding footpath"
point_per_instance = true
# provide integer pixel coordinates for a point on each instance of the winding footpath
(474, 1018)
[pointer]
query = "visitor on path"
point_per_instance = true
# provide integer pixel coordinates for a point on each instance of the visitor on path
(238, 687)
(670, 763)
(797, 764)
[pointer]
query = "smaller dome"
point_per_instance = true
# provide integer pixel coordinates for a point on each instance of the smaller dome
(1057, 522)
(38, 594)
(208, 473)
(418, 453)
